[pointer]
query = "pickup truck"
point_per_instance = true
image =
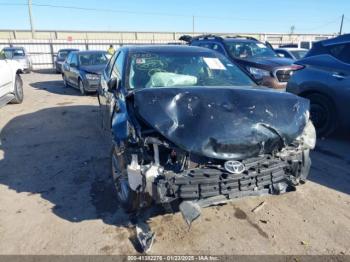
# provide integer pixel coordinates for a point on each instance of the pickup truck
(11, 85)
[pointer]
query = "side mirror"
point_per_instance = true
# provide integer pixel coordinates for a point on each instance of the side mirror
(73, 65)
(113, 84)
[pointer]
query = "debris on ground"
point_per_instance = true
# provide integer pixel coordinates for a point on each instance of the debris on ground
(304, 243)
(144, 236)
(263, 221)
(258, 207)
(190, 211)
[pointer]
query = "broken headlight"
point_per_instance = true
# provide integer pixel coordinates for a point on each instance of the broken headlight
(308, 137)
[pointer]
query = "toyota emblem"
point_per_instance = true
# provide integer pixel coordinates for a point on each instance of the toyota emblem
(234, 167)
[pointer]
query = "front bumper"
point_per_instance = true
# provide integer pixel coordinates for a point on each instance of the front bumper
(273, 83)
(266, 174)
(91, 85)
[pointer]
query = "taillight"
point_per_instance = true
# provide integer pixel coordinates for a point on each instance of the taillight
(296, 67)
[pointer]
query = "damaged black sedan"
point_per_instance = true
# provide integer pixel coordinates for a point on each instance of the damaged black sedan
(188, 126)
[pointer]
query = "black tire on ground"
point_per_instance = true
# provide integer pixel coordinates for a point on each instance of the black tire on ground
(81, 87)
(323, 114)
(128, 199)
(18, 92)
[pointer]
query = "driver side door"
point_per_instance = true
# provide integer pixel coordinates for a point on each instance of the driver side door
(110, 97)
(5, 78)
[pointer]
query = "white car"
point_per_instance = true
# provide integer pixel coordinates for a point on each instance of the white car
(11, 85)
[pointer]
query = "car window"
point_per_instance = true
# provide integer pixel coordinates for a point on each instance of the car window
(341, 52)
(109, 67)
(69, 58)
(74, 59)
(281, 53)
(18, 52)
(218, 48)
(152, 70)
(299, 54)
(246, 50)
(89, 59)
(63, 54)
(117, 70)
(206, 45)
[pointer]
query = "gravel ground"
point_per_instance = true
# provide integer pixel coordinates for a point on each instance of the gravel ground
(56, 196)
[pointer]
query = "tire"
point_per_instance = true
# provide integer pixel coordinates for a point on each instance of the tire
(18, 92)
(127, 198)
(323, 114)
(81, 87)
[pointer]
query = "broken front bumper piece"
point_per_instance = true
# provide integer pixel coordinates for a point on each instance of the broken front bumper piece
(264, 174)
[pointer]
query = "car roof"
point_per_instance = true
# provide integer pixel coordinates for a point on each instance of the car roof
(68, 49)
(166, 48)
(342, 39)
(89, 52)
(13, 48)
(240, 40)
(291, 49)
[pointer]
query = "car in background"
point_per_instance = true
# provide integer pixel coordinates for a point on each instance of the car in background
(11, 85)
(188, 124)
(61, 56)
(20, 55)
(83, 69)
(324, 79)
(291, 53)
(253, 56)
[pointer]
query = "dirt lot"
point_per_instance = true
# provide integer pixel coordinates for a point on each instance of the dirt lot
(56, 196)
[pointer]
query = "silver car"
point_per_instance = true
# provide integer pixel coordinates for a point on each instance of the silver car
(20, 55)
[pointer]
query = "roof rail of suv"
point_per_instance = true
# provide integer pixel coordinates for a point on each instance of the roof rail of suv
(244, 37)
(188, 38)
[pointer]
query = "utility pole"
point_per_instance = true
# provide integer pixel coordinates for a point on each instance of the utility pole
(341, 25)
(193, 25)
(30, 18)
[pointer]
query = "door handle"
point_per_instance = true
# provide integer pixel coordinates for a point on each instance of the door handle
(338, 76)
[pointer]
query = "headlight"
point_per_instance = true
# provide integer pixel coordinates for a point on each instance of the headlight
(308, 137)
(258, 73)
(92, 77)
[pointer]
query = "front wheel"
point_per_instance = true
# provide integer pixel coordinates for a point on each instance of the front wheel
(128, 198)
(81, 87)
(323, 114)
(65, 81)
(18, 91)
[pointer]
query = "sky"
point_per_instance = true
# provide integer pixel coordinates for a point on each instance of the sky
(246, 16)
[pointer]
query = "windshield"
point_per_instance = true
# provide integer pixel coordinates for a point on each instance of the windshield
(149, 70)
(246, 50)
(11, 53)
(298, 54)
(93, 59)
(62, 55)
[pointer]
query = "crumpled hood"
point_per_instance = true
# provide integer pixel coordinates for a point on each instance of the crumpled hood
(95, 69)
(223, 123)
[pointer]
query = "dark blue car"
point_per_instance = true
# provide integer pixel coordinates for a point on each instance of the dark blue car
(83, 69)
(325, 80)
(188, 124)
